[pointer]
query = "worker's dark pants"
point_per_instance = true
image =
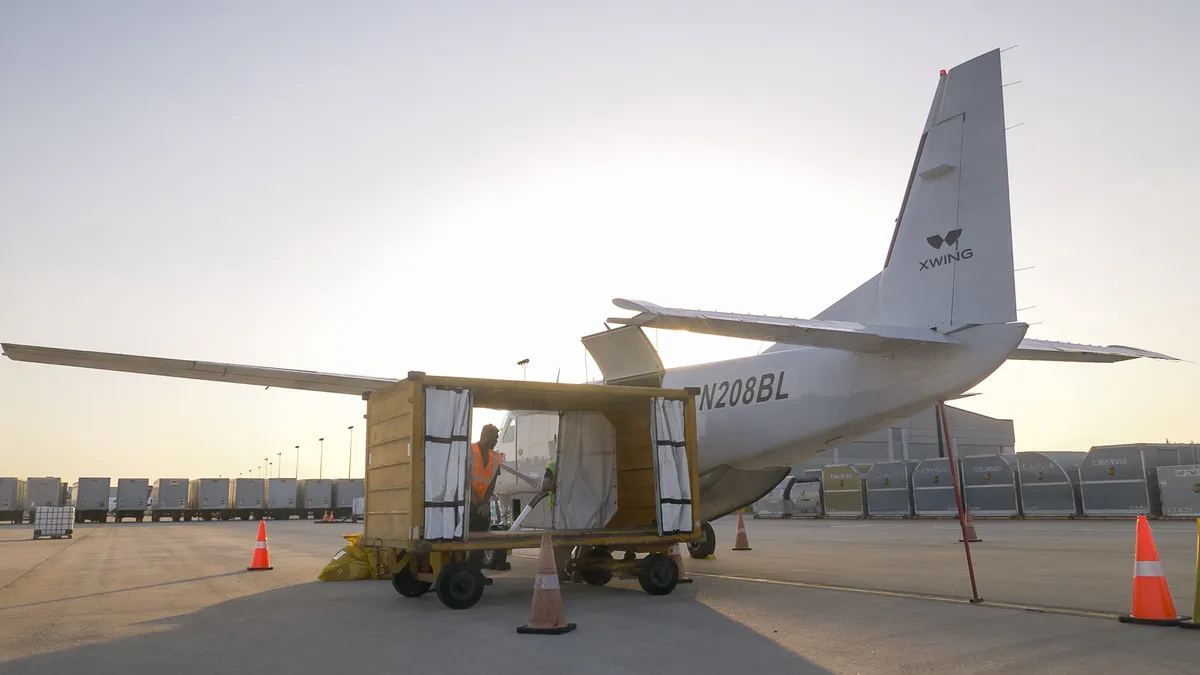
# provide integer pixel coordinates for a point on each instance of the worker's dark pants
(478, 522)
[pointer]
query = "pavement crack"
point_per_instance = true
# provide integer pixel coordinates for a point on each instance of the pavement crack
(73, 541)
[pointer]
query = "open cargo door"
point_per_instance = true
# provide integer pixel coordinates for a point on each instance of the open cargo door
(625, 357)
(586, 490)
(671, 475)
(447, 461)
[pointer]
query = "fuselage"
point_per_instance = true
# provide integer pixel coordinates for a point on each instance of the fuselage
(760, 415)
(780, 408)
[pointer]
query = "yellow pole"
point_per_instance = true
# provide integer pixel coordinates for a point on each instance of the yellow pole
(1194, 622)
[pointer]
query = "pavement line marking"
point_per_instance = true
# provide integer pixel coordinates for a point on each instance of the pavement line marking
(73, 540)
(917, 596)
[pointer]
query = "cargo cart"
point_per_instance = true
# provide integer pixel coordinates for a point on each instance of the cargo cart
(627, 481)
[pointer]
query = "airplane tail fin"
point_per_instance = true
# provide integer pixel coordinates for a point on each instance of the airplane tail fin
(951, 258)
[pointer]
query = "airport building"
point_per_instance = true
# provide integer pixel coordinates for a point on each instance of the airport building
(916, 438)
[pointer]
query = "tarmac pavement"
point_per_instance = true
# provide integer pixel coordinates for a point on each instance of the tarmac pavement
(122, 598)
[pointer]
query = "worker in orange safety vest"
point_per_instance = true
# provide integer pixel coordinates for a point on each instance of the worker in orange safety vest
(485, 467)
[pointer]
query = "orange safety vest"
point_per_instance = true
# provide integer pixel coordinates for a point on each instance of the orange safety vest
(481, 474)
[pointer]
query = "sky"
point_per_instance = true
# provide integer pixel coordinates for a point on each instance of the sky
(373, 188)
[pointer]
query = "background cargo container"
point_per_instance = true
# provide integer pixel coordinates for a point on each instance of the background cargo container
(132, 494)
(46, 491)
(344, 492)
(90, 498)
(281, 498)
(247, 498)
(169, 497)
(12, 500)
(314, 496)
(207, 499)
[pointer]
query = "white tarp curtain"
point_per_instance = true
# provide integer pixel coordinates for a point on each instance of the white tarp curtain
(447, 425)
(585, 494)
(671, 467)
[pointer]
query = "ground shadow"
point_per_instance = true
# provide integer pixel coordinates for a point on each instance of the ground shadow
(367, 627)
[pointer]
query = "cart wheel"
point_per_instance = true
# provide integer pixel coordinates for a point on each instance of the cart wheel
(658, 574)
(496, 559)
(705, 547)
(459, 586)
(408, 586)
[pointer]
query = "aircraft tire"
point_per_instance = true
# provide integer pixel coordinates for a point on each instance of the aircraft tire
(706, 546)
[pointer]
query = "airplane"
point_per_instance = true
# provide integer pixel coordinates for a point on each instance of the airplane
(934, 322)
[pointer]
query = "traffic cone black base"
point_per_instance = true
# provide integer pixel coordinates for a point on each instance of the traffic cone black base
(1190, 623)
(1126, 618)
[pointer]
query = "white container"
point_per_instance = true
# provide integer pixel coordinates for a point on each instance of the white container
(247, 497)
(315, 496)
(43, 492)
(55, 522)
(208, 494)
(12, 500)
(169, 497)
(345, 490)
(89, 496)
(281, 497)
(132, 494)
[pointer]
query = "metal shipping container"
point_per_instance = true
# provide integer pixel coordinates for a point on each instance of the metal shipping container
(845, 492)
(933, 489)
(314, 496)
(90, 498)
(281, 497)
(990, 486)
(1180, 490)
(344, 492)
(132, 494)
(12, 500)
(169, 498)
(208, 498)
(43, 492)
(247, 497)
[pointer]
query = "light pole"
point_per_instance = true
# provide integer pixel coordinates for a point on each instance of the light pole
(524, 363)
(321, 469)
(297, 462)
(279, 465)
(266, 467)
(350, 452)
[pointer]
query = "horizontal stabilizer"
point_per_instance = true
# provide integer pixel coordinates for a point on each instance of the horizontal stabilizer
(199, 370)
(844, 335)
(1045, 350)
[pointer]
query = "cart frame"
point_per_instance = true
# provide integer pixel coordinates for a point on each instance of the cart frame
(395, 494)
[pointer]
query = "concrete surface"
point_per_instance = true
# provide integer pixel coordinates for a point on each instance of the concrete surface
(124, 598)
(1077, 564)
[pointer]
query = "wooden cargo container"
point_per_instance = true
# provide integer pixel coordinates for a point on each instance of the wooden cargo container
(418, 467)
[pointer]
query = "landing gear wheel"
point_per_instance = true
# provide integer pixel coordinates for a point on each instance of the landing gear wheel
(658, 574)
(459, 585)
(593, 576)
(407, 585)
(706, 546)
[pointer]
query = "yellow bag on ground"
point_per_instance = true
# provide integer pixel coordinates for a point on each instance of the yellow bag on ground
(349, 564)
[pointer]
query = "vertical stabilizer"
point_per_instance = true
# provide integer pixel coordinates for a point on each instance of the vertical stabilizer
(951, 259)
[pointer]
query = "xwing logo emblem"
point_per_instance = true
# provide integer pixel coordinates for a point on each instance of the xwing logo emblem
(949, 241)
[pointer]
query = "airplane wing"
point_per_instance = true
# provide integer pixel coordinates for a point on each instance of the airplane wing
(852, 336)
(1046, 350)
(845, 335)
(199, 370)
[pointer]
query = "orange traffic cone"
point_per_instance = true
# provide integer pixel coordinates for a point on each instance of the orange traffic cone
(261, 559)
(741, 543)
(677, 556)
(547, 616)
(1152, 604)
